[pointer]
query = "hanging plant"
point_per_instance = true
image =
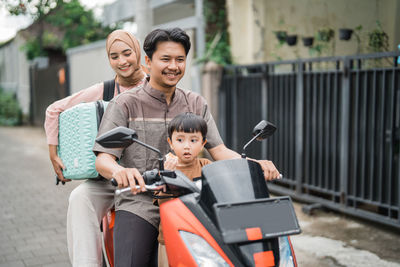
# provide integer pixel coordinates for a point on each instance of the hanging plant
(308, 41)
(291, 40)
(281, 36)
(378, 39)
(325, 35)
(345, 34)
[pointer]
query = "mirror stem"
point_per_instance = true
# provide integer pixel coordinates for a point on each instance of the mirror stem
(161, 164)
(248, 143)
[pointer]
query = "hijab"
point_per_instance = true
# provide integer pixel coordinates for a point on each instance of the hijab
(133, 43)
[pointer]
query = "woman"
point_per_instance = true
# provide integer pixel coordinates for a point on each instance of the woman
(89, 202)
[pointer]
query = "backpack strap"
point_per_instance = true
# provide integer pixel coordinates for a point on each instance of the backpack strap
(100, 112)
(108, 92)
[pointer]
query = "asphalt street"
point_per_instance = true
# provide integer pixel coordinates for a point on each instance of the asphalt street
(33, 216)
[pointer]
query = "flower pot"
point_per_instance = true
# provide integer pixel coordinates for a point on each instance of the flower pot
(281, 36)
(308, 41)
(291, 40)
(345, 34)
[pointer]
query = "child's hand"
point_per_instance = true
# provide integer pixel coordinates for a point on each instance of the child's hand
(170, 162)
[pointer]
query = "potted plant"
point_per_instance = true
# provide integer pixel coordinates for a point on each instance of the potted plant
(325, 35)
(345, 34)
(281, 36)
(378, 39)
(291, 39)
(308, 41)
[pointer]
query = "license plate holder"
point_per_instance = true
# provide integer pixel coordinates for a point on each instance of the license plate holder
(256, 219)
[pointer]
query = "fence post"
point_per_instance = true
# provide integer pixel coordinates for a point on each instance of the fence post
(234, 110)
(299, 123)
(344, 130)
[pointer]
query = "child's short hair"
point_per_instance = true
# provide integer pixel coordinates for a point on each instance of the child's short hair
(188, 123)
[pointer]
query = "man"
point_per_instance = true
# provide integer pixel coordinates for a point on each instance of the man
(147, 110)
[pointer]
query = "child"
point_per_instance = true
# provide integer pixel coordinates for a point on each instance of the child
(186, 137)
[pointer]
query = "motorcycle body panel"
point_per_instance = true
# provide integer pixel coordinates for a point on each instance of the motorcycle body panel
(226, 184)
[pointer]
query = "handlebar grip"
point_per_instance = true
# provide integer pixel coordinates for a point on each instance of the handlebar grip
(149, 177)
(114, 182)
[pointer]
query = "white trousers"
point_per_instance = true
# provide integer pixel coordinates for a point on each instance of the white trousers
(88, 203)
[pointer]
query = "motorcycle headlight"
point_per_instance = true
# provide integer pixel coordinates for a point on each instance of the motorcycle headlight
(285, 252)
(202, 252)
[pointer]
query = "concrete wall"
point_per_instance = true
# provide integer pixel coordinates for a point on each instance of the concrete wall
(88, 64)
(253, 22)
(14, 71)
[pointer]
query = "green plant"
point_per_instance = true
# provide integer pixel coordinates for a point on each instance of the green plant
(325, 35)
(61, 24)
(217, 37)
(10, 112)
(378, 40)
(357, 34)
(322, 39)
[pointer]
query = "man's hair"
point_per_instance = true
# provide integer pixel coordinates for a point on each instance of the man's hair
(176, 35)
(188, 123)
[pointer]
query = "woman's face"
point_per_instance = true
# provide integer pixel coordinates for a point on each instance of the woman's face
(122, 59)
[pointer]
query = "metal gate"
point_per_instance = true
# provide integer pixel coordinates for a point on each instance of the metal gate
(47, 85)
(338, 123)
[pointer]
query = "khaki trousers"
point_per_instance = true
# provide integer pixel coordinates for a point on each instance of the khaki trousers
(88, 203)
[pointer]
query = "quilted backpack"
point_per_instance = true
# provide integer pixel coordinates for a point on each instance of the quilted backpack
(78, 127)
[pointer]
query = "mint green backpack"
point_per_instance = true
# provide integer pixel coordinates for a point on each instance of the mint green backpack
(78, 127)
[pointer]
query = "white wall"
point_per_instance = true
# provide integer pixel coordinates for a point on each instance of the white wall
(252, 24)
(88, 64)
(14, 71)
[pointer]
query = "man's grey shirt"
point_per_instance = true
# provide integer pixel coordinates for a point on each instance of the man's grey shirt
(145, 110)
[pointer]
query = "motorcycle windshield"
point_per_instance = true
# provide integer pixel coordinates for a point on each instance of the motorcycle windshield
(233, 181)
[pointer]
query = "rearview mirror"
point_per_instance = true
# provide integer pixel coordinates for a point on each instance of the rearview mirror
(119, 137)
(263, 130)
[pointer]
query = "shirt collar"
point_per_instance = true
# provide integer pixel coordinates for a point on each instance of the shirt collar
(157, 94)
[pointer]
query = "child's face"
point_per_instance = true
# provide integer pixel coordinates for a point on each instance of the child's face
(186, 145)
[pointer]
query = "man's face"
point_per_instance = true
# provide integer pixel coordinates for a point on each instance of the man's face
(167, 66)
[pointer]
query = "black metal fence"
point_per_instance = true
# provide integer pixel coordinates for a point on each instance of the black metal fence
(338, 136)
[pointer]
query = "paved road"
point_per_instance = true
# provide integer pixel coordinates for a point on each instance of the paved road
(33, 212)
(33, 209)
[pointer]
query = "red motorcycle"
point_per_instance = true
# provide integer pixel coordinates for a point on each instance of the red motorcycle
(226, 218)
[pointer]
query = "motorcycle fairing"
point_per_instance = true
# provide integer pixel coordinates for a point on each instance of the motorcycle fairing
(175, 217)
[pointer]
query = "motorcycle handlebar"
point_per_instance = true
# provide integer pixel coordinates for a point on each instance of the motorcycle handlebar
(149, 177)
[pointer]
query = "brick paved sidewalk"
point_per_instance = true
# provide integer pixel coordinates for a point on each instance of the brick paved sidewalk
(33, 210)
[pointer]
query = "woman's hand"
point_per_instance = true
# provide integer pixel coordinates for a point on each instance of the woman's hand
(57, 163)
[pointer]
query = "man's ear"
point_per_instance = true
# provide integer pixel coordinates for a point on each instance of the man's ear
(148, 61)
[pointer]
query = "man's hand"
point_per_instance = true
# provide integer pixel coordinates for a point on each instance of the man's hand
(129, 177)
(269, 169)
(57, 163)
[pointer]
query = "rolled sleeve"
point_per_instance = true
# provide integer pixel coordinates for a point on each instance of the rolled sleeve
(112, 118)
